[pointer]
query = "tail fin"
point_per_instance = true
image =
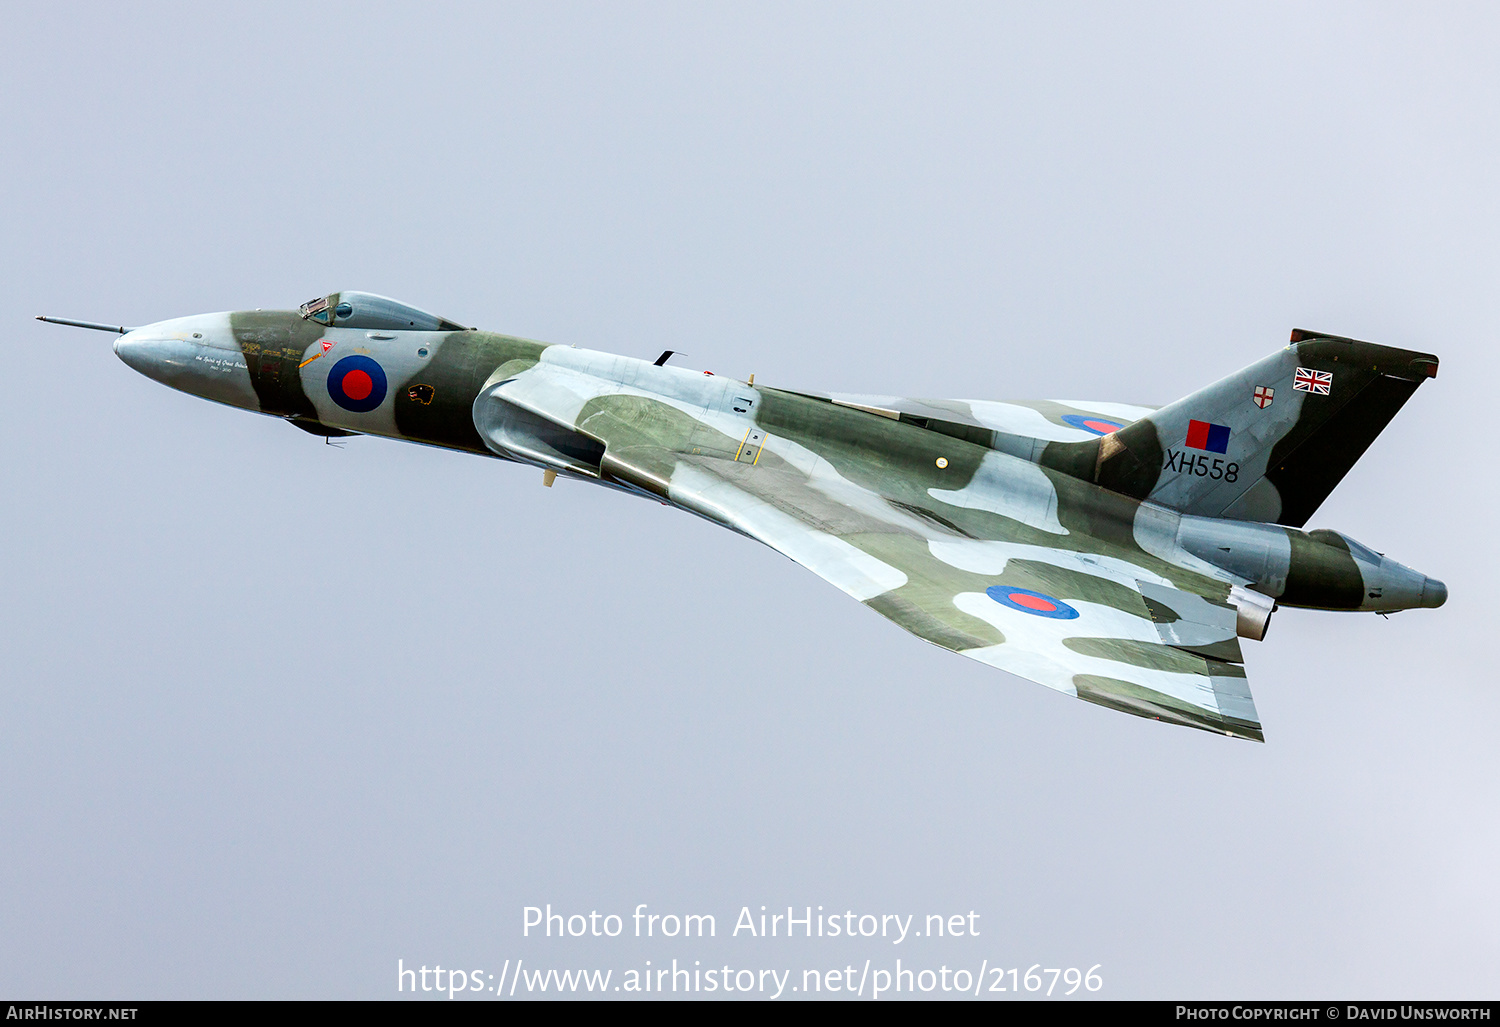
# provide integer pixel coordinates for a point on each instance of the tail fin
(1266, 444)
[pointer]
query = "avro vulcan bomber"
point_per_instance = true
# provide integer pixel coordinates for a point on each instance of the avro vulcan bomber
(1112, 552)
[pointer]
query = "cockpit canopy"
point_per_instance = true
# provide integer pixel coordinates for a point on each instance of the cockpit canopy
(367, 310)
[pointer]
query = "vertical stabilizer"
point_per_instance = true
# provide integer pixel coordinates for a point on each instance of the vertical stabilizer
(1268, 443)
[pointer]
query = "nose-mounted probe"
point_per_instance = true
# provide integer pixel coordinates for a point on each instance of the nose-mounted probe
(119, 329)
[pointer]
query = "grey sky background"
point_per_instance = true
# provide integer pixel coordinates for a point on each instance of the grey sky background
(277, 714)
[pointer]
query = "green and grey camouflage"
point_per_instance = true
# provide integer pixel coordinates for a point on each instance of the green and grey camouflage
(1113, 552)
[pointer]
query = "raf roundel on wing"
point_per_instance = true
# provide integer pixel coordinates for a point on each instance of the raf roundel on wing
(1034, 603)
(1097, 425)
(357, 383)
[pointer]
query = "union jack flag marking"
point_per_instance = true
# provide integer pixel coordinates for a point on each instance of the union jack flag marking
(1263, 396)
(1318, 382)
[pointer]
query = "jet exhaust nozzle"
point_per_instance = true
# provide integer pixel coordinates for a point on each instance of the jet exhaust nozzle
(1252, 612)
(1434, 593)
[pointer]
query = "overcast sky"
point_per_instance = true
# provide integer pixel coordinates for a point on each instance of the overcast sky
(277, 714)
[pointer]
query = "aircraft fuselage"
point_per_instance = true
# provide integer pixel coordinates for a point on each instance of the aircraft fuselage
(430, 387)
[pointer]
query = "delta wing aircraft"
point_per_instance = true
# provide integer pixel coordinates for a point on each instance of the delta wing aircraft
(1113, 552)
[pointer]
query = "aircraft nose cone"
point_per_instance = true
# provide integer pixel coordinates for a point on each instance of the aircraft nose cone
(1434, 593)
(162, 359)
(131, 351)
(137, 353)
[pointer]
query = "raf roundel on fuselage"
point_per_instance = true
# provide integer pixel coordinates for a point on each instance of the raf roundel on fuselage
(357, 383)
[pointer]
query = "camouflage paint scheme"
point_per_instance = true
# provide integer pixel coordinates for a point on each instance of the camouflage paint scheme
(1086, 546)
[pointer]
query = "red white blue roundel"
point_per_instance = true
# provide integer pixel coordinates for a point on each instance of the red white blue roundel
(357, 383)
(1034, 603)
(1097, 425)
